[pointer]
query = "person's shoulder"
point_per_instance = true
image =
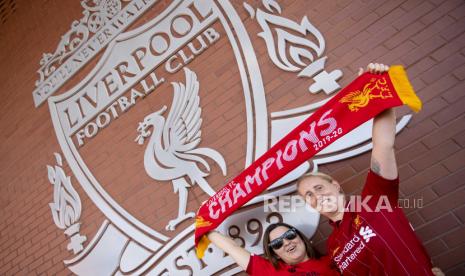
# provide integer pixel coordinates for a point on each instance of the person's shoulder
(258, 265)
(258, 258)
(377, 177)
(377, 184)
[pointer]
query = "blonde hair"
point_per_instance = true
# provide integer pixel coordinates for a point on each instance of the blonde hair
(314, 174)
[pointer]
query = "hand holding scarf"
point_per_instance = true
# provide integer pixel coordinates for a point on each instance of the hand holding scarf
(364, 98)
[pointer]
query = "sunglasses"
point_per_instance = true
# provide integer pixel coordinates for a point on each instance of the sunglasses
(278, 242)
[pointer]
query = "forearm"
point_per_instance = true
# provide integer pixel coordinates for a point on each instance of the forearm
(384, 129)
(239, 254)
(383, 160)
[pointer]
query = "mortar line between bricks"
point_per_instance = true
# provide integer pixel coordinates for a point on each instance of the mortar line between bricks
(450, 211)
(456, 143)
(408, 165)
(439, 236)
(444, 252)
(455, 216)
(418, 61)
(388, 13)
(444, 243)
(437, 199)
(454, 267)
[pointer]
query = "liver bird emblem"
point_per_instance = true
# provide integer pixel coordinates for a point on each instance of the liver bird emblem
(172, 153)
(359, 99)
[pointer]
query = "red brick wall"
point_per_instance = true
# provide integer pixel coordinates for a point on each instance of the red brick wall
(428, 37)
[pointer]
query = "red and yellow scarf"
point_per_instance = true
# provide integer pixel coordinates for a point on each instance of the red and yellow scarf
(364, 98)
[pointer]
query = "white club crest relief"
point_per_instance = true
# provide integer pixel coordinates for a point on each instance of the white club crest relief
(172, 110)
(177, 157)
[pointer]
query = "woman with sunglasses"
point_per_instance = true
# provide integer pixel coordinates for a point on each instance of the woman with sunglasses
(287, 252)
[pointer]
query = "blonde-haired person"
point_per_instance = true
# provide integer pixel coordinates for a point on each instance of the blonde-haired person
(371, 236)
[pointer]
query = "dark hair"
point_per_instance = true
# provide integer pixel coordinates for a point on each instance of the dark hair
(271, 255)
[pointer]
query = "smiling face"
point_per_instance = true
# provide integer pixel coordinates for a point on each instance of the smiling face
(292, 251)
(322, 193)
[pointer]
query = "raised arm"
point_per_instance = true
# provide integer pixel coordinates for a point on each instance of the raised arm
(383, 160)
(239, 254)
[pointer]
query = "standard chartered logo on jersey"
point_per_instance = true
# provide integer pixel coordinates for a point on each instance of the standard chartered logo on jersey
(141, 124)
(354, 247)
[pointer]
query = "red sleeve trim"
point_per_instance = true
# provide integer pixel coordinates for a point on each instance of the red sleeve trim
(250, 265)
(257, 265)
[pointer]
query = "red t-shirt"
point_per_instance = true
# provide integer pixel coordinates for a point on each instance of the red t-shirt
(261, 266)
(381, 242)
